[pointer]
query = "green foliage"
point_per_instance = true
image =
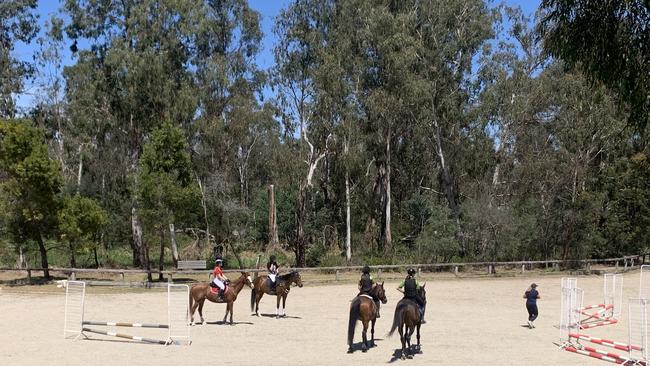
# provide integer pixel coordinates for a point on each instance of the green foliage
(606, 39)
(81, 220)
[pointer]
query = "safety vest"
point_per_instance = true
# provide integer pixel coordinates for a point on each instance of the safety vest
(410, 288)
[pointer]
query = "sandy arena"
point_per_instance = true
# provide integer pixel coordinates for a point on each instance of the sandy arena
(470, 321)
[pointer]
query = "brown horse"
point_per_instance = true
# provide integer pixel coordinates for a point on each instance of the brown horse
(363, 307)
(200, 292)
(407, 318)
(261, 286)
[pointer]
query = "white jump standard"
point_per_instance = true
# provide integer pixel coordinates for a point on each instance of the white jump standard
(177, 314)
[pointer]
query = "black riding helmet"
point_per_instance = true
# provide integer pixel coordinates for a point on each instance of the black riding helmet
(411, 271)
(218, 260)
(366, 270)
(272, 259)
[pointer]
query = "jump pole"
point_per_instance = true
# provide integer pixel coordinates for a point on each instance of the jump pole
(132, 325)
(127, 336)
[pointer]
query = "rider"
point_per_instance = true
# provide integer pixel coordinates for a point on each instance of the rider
(365, 285)
(273, 268)
(411, 286)
(219, 278)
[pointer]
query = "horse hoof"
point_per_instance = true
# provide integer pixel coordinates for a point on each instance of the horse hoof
(204, 322)
(364, 350)
(403, 357)
(350, 350)
(409, 357)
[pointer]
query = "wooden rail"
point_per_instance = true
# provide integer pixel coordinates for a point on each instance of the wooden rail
(627, 262)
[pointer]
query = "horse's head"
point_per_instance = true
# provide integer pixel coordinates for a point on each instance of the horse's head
(423, 293)
(379, 292)
(295, 278)
(249, 280)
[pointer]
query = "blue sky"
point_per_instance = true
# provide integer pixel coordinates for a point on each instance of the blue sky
(267, 8)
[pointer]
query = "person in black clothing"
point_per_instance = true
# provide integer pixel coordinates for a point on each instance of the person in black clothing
(410, 290)
(365, 285)
(531, 295)
(273, 268)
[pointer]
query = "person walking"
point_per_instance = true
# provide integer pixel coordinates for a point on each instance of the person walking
(531, 295)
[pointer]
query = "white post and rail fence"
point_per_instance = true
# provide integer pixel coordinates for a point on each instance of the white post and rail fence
(622, 264)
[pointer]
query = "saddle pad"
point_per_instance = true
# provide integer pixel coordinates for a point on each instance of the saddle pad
(368, 296)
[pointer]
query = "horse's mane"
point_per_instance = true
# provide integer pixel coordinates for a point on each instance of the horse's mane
(286, 276)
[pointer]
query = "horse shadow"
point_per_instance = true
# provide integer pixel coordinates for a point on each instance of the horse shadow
(357, 346)
(221, 322)
(397, 355)
(282, 316)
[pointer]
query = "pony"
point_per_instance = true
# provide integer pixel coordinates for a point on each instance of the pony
(202, 291)
(407, 318)
(363, 308)
(261, 286)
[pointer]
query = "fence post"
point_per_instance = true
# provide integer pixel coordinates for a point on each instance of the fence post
(625, 267)
(523, 267)
(337, 274)
(632, 263)
(29, 276)
(419, 270)
(456, 270)
(170, 279)
(122, 276)
(616, 268)
(73, 276)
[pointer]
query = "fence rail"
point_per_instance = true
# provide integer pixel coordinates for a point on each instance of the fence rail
(627, 262)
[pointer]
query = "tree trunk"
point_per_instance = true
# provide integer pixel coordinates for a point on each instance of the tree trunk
(73, 259)
(139, 255)
(22, 263)
(161, 259)
(80, 170)
(205, 212)
(274, 241)
(299, 248)
(388, 240)
(96, 259)
(172, 236)
(348, 233)
(43, 250)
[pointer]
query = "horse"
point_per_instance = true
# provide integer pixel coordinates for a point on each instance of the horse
(363, 307)
(202, 291)
(407, 318)
(283, 283)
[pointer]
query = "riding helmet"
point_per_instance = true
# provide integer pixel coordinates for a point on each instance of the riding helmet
(366, 269)
(411, 271)
(218, 259)
(272, 259)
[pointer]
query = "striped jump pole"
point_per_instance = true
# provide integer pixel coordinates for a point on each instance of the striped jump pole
(132, 325)
(624, 360)
(599, 324)
(593, 307)
(127, 336)
(605, 342)
(595, 355)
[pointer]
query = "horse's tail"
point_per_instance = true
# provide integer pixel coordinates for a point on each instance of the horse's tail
(191, 301)
(253, 296)
(354, 316)
(397, 318)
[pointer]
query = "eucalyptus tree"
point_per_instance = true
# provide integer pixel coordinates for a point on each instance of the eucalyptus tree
(609, 41)
(18, 23)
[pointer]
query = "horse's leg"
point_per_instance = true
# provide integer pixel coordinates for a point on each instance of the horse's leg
(201, 310)
(284, 303)
(364, 342)
(258, 297)
(277, 306)
(409, 333)
(418, 336)
(372, 332)
(192, 310)
(230, 306)
(401, 338)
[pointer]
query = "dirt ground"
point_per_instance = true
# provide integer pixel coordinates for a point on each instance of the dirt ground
(470, 321)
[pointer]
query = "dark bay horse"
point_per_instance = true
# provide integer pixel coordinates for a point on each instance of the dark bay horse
(261, 286)
(200, 292)
(407, 318)
(363, 308)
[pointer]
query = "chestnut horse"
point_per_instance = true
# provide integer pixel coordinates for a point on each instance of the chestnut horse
(261, 286)
(202, 291)
(363, 308)
(407, 318)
